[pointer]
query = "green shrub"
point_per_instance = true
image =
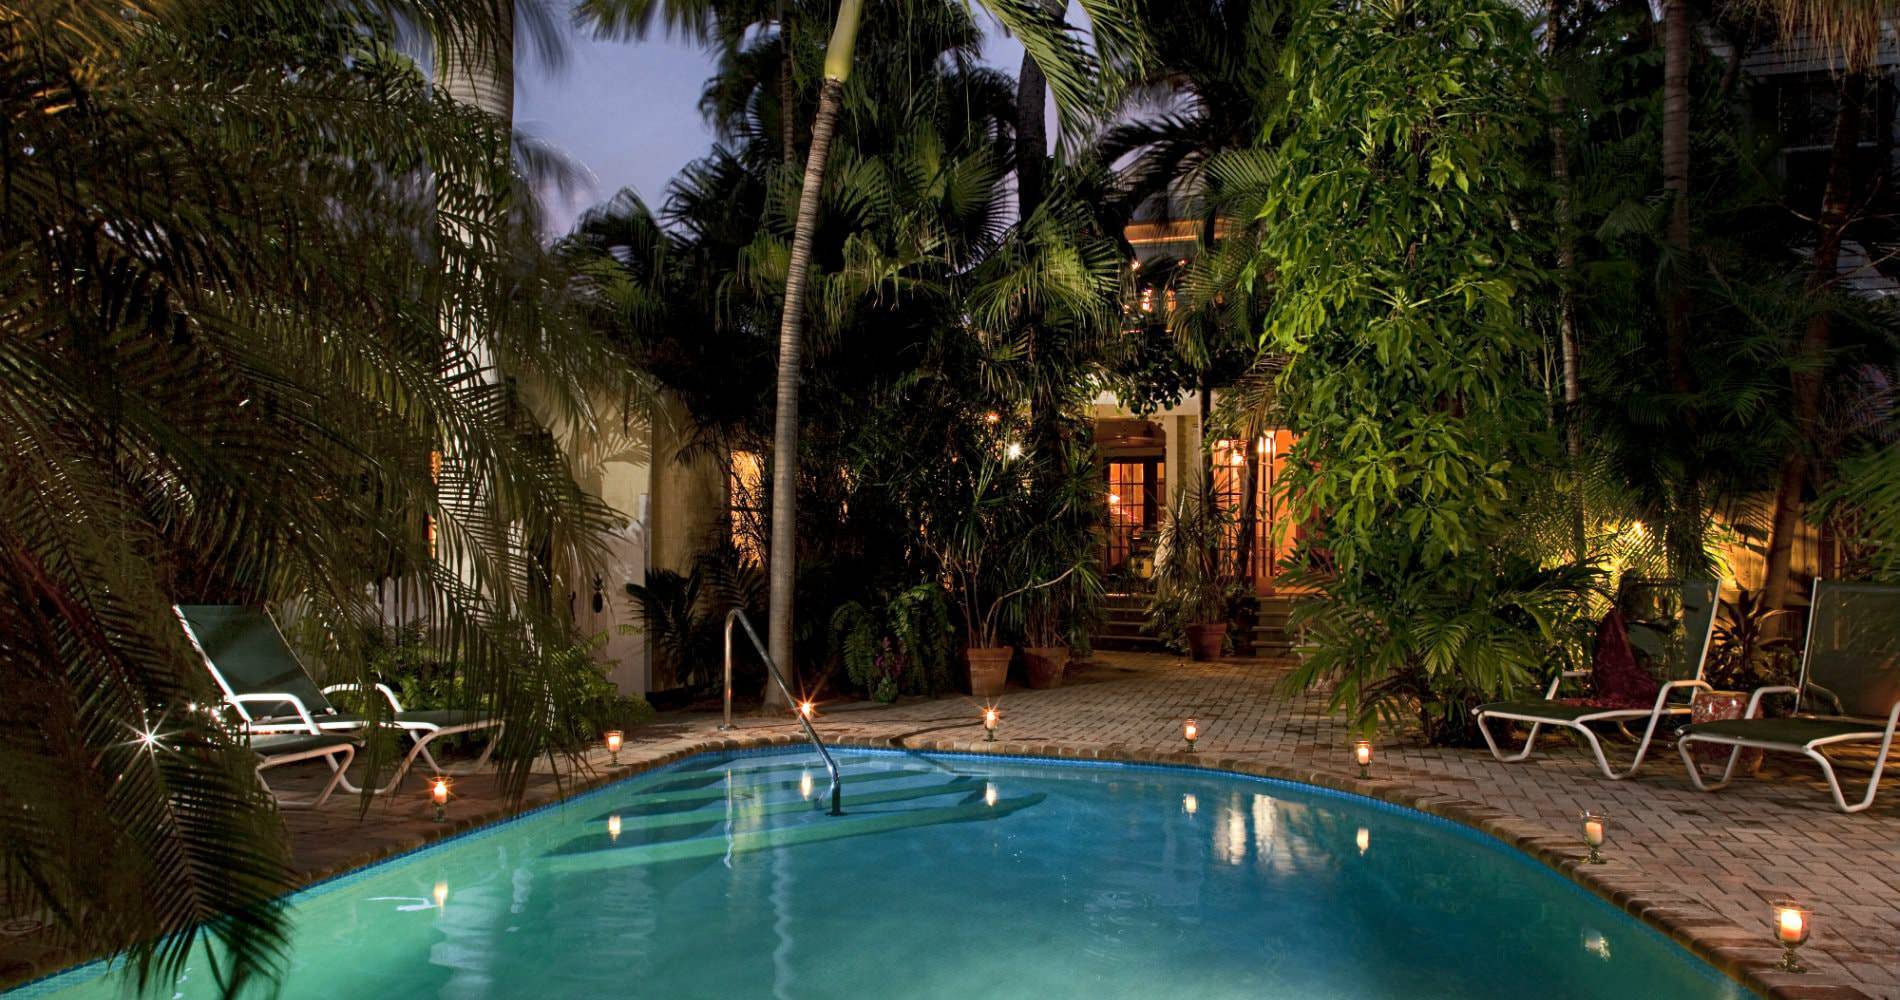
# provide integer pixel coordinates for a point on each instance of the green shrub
(903, 646)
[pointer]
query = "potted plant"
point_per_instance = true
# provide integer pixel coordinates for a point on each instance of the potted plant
(1045, 649)
(1745, 652)
(978, 538)
(1188, 576)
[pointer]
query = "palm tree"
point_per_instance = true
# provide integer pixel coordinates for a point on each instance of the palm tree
(225, 381)
(1066, 66)
(1855, 31)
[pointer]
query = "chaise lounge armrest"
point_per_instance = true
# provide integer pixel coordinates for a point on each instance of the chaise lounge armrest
(275, 725)
(383, 689)
(1754, 700)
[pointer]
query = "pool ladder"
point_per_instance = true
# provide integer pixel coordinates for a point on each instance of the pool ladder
(738, 615)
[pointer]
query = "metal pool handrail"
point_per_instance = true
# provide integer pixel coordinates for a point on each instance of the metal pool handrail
(771, 668)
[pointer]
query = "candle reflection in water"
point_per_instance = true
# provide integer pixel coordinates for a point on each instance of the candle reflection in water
(804, 785)
(1190, 804)
(1596, 944)
(989, 793)
(441, 895)
(613, 828)
(1363, 840)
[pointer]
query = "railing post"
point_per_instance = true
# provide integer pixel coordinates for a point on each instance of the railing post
(771, 668)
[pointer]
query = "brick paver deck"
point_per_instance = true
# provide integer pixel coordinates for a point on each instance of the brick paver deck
(1701, 866)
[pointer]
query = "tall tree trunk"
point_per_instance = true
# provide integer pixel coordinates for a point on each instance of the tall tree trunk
(1797, 466)
(1566, 277)
(791, 344)
(1683, 537)
(787, 94)
(1032, 154)
(1032, 130)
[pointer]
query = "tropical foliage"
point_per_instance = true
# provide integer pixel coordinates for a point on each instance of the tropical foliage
(260, 279)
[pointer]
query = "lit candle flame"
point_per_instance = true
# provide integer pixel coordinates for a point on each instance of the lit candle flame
(806, 708)
(614, 740)
(989, 718)
(1191, 731)
(1791, 925)
(439, 791)
(1362, 752)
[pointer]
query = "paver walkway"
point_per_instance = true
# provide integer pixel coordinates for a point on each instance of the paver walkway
(1702, 865)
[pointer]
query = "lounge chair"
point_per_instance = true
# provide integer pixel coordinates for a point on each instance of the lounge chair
(277, 749)
(1698, 623)
(1849, 690)
(271, 691)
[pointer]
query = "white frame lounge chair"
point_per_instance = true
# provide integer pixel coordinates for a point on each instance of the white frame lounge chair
(280, 698)
(1840, 698)
(1579, 718)
(278, 749)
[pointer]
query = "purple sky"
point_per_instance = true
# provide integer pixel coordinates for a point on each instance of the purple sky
(629, 113)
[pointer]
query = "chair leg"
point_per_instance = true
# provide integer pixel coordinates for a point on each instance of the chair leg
(337, 770)
(1834, 781)
(1530, 742)
(1695, 769)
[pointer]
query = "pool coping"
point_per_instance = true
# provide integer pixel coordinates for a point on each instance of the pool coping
(1733, 952)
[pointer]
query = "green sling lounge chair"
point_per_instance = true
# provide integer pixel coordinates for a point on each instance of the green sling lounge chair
(277, 749)
(1849, 691)
(1698, 623)
(264, 681)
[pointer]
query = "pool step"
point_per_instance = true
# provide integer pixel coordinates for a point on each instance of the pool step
(820, 779)
(719, 770)
(818, 830)
(637, 821)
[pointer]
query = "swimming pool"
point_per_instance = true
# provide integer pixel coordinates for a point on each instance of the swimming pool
(959, 876)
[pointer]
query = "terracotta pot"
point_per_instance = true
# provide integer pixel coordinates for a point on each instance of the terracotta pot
(1710, 706)
(989, 669)
(1205, 641)
(1046, 665)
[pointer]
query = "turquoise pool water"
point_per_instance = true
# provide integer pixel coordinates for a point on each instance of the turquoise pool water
(959, 877)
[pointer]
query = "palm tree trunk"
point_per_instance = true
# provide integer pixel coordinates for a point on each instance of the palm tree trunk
(787, 95)
(1683, 537)
(1797, 465)
(791, 344)
(1566, 275)
(1032, 131)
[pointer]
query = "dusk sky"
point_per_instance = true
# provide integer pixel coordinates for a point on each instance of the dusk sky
(629, 112)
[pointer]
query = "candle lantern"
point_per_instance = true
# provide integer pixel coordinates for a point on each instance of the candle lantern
(990, 718)
(1792, 924)
(1190, 731)
(1596, 830)
(806, 709)
(1362, 755)
(614, 738)
(439, 794)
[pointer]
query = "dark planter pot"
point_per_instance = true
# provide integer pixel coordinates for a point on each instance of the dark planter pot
(989, 669)
(1205, 641)
(1046, 665)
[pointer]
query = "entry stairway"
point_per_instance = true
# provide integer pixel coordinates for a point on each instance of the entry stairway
(730, 809)
(1126, 617)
